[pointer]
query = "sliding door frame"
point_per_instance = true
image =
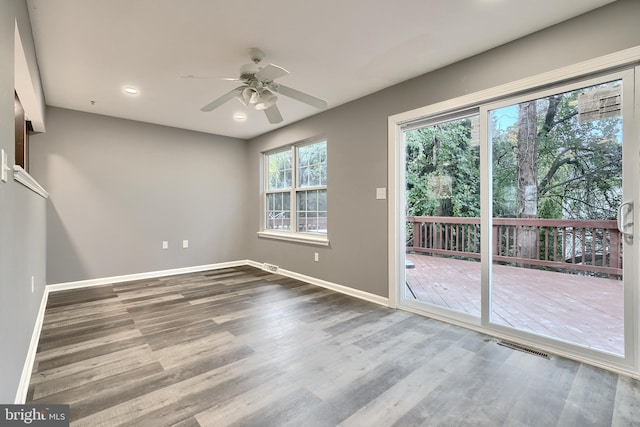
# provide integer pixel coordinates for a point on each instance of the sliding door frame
(627, 59)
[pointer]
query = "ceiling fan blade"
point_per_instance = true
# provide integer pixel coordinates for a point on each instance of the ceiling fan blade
(300, 96)
(224, 98)
(273, 114)
(271, 72)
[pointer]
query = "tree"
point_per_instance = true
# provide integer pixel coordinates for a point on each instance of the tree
(527, 167)
(547, 162)
(550, 163)
(574, 166)
(442, 170)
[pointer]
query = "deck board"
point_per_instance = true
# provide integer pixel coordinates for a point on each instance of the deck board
(580, 309)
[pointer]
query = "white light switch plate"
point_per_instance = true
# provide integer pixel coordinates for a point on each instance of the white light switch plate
(381, 193)
(3, 166)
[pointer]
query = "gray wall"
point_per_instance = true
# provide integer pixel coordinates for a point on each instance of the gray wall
(118, 188)
(357, 142)
(22, 221)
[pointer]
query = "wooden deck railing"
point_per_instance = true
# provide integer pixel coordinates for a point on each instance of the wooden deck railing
(592, 246)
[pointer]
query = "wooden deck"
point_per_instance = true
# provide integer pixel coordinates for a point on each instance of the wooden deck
(580, 309)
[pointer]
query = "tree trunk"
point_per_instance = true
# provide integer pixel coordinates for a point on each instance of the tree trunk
(527, 192)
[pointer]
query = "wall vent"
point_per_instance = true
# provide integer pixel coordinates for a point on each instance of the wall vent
(271, 268)
(522, 348)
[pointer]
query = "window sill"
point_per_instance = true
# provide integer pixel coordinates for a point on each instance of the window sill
(295, 237)
(27, 180)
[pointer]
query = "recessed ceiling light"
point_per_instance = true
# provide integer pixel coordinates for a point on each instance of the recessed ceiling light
(239, 117)
(131, 90)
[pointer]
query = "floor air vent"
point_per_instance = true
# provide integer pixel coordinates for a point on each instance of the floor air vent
(270, 267)
(524, 349)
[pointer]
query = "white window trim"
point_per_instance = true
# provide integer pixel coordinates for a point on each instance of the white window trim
(312, 239)
(22, 176)
(289, 236)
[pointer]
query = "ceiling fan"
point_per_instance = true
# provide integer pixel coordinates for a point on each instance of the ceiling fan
(258, 89)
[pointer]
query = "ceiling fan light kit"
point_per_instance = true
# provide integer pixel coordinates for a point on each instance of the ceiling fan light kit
(265, 100)
(258, 89)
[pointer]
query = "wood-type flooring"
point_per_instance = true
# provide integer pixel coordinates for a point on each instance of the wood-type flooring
(242, 347)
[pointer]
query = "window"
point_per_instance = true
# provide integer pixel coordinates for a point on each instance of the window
(296, 189)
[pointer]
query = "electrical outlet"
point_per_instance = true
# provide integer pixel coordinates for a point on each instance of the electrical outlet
(185, 244)
(316, 257)
(165, 244)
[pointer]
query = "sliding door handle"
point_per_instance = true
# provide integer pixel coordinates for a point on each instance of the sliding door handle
(623, 214)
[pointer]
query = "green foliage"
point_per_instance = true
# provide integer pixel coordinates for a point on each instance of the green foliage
(443, 175)
(312, 164)
(579, 163)
(549, 208)
(280, 171)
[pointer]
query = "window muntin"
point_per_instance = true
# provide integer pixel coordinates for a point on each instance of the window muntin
(296, 189)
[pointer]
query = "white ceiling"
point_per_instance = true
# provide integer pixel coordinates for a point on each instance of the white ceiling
(338, 50)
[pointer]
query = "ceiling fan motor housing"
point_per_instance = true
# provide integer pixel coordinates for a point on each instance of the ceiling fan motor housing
(256, 54)
(248, 71)
(258, 89)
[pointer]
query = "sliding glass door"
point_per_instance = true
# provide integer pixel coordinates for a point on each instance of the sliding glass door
(443, 212)
(557, 181)
(516, 216)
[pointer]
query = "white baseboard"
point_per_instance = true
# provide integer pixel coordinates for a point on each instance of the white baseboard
(162, 273)
(329, 285)
(141, 276)
(377, 299)
(23, 388)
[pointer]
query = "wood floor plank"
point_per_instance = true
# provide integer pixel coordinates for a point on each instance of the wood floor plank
(403, 396)
(253, 401)
(627, 405)
(80, 310)
(51, 385)
(540, 403)
(61, 350)
(587, 406)
(116, 319)
(89, 334)
(286, 408)
(138, 387)
(91, 391)
(189, 352)
(196, 397)
(89, 352)
(137, 408)
(242, 347)
(142, 352)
